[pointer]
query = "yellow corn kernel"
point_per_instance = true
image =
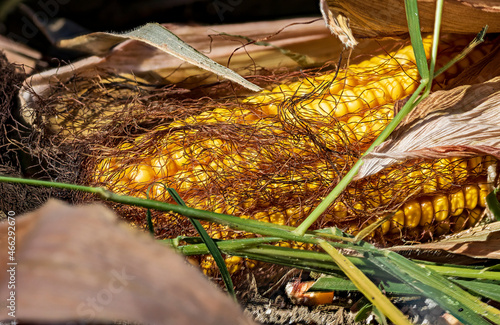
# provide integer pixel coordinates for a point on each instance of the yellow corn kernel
(277, 218)
(344, 133)
(427, 212)
(385, 227)
(428, 175)
(339, 210)
(489, 161)
(251, 263)
(352, 101)
(294, 215)
(163, 166)
(445, 173)
(378, 119)
(413, 213)
(398, 220)
(457, 203)
(459, 222)
(141, 174)
(394, 88)
(207, 264)
(282, 92)
(319, 107)
(358, 126)
(270, 109)
(459, 167)
(199, 176)
(443, 228)
(471, 196)
(180, 158)
(262, 216)
(299, 245)
(441, 207)
(367, 96)
(233, 263)
(408, 80)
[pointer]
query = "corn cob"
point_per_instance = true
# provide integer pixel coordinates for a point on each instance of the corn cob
(208, 166)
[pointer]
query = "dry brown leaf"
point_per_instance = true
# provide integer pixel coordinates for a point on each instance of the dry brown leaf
(81, 263)
(382, 18)
(460, 122)
(18, 53)
(482, 242)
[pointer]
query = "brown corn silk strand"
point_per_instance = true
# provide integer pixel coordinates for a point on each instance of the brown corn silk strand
(275, 156)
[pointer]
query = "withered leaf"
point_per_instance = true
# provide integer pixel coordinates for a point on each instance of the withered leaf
(481, 242)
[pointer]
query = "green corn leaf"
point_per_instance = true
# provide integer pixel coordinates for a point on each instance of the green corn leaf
(363, 313)
(413, 19)
(486, 289)
(332, 283)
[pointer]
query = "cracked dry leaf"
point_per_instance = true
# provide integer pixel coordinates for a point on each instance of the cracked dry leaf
(481, 242)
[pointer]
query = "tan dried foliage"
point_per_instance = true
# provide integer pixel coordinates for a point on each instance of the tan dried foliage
(482, 242)
(385, 18)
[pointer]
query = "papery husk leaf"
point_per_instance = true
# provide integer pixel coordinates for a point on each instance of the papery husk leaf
(158, 36)
(82, 264)
(481, 242)
(383, 18)
(461, 122)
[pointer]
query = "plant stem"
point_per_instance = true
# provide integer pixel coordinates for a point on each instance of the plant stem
(249, 225)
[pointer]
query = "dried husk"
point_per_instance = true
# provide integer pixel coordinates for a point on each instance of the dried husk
(461, 122)
(469, 246)
(386, 18)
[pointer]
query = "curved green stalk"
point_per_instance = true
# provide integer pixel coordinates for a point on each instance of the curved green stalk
(249, 225)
